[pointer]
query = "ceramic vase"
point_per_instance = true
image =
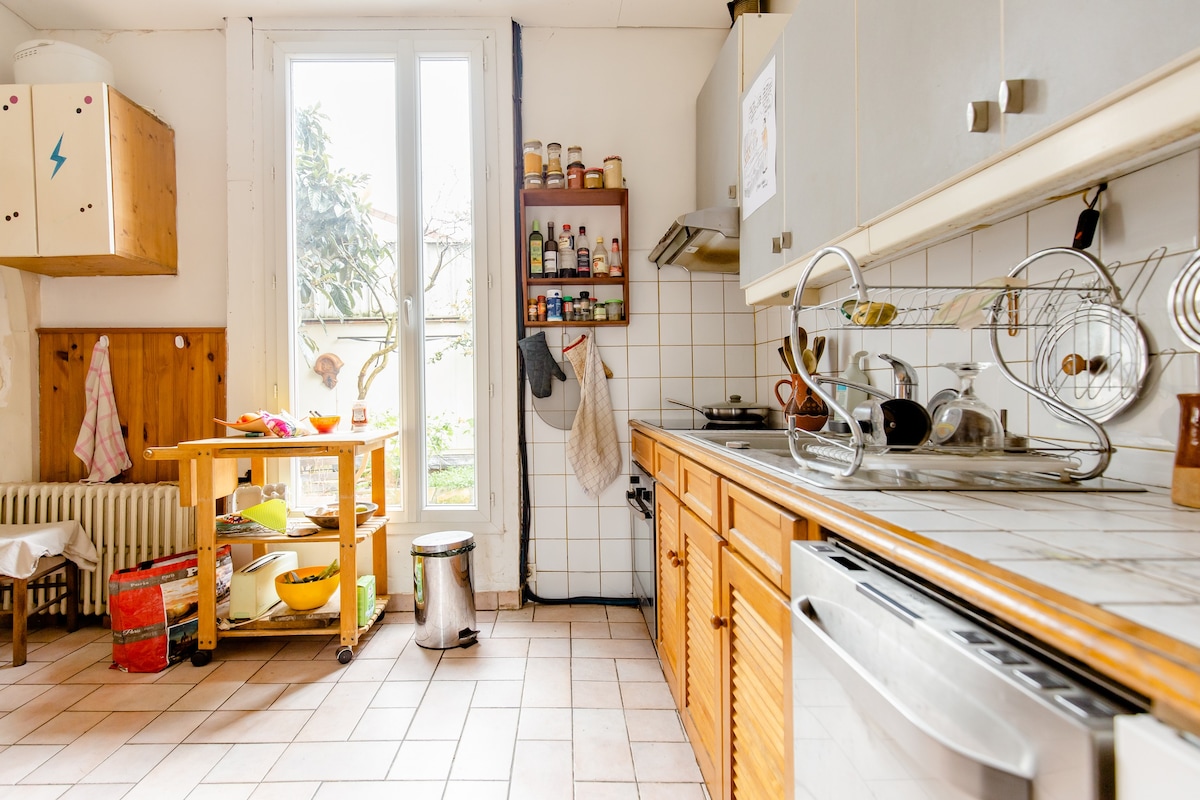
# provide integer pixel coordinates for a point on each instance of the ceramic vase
(802, 406)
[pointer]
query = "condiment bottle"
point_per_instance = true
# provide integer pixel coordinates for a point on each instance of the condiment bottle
(583, 260)
(600, 311)
(542, 307)
(358, 416)
(566, 253)
(532, 314)
(584, 305)
(615, 268)
(600, 259)
(535, 252)
(550, 253)
(568, 308)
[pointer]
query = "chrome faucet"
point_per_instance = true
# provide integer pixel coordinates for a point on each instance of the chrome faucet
(905, 377)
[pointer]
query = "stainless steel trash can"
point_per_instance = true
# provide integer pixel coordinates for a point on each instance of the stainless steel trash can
(444, 595)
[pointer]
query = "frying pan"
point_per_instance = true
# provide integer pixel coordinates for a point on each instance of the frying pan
(733, 411)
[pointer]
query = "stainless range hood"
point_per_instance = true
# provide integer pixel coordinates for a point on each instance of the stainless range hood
(702, 241)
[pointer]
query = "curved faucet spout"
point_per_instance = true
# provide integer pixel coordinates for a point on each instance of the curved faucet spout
(906, 377)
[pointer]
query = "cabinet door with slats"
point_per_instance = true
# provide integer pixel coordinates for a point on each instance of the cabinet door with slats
(758, 686)
(670, 590)
(18, 211)
(701, 707)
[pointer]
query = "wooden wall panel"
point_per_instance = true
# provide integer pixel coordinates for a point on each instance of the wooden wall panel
(165, 394)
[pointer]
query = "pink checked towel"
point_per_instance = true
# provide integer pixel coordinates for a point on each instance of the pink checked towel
(593, 449)
(100, 445)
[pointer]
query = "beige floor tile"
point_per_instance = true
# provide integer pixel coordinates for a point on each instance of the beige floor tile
(250, 696)
(303, 696)
(104, 673)
(550, 724)
(24, 674)
(593, 669)
(581, 613)
(549, 648)
(98, 791)
(645, 670)
(415, 664)
(646, 695)
(476, 790)
(547, 683)
(169, 727)
(210, 693)
(628, 630)
(515, 614)
(294, 790)
(497, 694)
(490, 648)
(184, 672)
(542, 770)
(654, 725)
(61, 670)
(601, 751)
(606, 791)
(14, 697)
(385, 642)
(485, 749)
(64, 728)
(23, 721)
(261, 648)
(612, 648)
(595, 694)
(244, 727)
(372, 670)
(400, 694)
(671, 791)
(625, 614)
(423, 761)
(408, 790)
(245, 763)
(665, 762)
(62, 646)
(302, 648)
(19, 760)
(531, 630)
(88, 751)
(337, 717)
(223, 791)
(383, 724)
(443, 711)
(132, 698)
(131, 762)
(589, 630)
(480, 669)
(298, 672)
(334, 761)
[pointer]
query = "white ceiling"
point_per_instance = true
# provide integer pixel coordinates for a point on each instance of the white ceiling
(209, 14)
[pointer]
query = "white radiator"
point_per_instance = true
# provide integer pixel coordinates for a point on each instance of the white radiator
(128, 522)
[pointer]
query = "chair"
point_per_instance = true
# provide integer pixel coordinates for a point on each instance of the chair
(54, 574)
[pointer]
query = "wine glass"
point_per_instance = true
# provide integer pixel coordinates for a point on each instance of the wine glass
(966, 424)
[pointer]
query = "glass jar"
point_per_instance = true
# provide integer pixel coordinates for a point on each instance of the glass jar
(533, 181)
(583, 306)
(600, 311)
(533, 158)
(612, 173)
(574, 155)
(555, 180)
(568, 308)
(616, 309)
(554, 157)
(593, 178)
(575, 176)
(532, 313)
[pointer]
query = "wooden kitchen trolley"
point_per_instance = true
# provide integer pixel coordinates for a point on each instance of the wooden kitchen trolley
(208, 470)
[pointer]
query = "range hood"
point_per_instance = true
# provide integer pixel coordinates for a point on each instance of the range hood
(702, 241)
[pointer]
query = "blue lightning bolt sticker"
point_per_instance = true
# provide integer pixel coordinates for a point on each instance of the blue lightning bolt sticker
(56, 158)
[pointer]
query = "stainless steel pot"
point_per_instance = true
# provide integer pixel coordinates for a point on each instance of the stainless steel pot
(733, 411)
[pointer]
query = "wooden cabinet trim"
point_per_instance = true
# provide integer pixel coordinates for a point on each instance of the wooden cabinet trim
(699, 491)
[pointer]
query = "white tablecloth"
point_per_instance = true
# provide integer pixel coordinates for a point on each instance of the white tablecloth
(22, 545)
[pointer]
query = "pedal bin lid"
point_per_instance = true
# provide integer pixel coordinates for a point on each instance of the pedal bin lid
(443, 543)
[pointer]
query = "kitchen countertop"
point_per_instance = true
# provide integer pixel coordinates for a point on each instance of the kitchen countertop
(1111, 579)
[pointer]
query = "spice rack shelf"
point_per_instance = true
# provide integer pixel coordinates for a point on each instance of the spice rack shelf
(553, 199)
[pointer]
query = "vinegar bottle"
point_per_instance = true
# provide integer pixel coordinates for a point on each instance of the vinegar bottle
(615, 268)
(550, 253)
(583, 260)
(566, 252)
(600, 259)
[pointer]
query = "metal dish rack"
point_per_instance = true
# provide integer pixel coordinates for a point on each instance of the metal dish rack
(1018, 304)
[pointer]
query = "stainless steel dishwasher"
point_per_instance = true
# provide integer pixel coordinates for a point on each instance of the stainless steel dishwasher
(898, 693)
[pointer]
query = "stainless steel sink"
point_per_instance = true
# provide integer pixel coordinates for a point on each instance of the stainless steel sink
(768, 450)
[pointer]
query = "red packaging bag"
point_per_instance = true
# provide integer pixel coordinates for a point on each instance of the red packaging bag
(154, 608)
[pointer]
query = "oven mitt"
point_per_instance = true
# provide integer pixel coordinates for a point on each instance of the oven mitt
(540, 365)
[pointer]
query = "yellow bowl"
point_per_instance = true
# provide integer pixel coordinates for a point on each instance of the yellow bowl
(870, 314)
(325, 424)
(306, 596)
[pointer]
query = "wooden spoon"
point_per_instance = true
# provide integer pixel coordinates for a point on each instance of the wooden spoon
(818, 349)
(810, 361)
(788, 356)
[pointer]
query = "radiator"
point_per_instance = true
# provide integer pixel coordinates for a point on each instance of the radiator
(128, 522)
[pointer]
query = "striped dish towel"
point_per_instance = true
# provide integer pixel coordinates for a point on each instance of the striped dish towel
(100, 445)
(593, 448)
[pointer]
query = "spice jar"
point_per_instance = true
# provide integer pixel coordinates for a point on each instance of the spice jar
(616, 309)
(583, 306)
(555, 180)
(532, 314)
(568, 308)
(574, 155)
(575, 176)
(541, 307)
(554, 157)
(612, 173)
(533, 158)
(593, 178)
(600, 311)
(533, 181)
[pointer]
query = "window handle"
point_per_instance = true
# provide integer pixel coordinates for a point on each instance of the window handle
(408, 302)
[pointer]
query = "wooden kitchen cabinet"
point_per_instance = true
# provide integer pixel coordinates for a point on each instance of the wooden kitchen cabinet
(670, 591)
(919, 65)
(700, 706)
(102, 197)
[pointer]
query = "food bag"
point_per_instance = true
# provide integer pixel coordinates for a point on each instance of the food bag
(154, 609)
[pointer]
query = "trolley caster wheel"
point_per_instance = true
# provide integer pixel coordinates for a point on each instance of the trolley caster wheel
(201, 657)
(344, 655)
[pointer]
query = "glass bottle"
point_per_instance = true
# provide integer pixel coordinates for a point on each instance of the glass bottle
(568, 308)
(583, 260)
(542, 307)
(583, 306)
(550, 253)
(615, 268)
(600, 259)
(566, 253)
(532, 313)
(535, 252)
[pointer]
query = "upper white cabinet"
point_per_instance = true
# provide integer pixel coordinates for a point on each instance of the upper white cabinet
(1071, 53)
(718, 113)
(101, 177)
(18, 203)
(919, 66)
(813, 79)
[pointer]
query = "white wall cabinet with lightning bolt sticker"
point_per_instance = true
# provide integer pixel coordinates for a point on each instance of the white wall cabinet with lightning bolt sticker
(102, 172)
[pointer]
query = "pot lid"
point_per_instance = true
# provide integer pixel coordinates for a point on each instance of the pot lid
(735, 401)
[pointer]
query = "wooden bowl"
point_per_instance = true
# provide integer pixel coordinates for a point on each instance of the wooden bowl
(327, 516)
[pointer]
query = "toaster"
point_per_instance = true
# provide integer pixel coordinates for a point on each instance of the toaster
(252, 592)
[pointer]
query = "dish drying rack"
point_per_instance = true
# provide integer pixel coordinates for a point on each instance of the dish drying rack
(1012, 305)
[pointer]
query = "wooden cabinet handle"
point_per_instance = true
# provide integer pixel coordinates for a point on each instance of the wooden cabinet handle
(719, 622)
(673, 558)
(675, 562)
